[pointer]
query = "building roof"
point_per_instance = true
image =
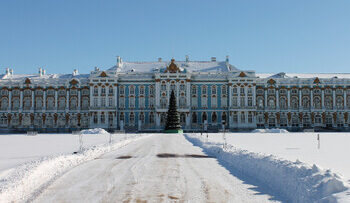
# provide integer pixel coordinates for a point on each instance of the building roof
(303, 75)
(192, 66)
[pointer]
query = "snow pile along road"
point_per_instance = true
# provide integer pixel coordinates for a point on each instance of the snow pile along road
(294, 181)
(94, 131)
(274, 130)
(25, 182)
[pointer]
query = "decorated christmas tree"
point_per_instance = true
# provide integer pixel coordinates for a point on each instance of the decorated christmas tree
(173, 119)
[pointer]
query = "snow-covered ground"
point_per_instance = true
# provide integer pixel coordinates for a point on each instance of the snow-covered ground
(284, 154)
(17, 149)
(333, 153)
(28, 177)
(252, 167)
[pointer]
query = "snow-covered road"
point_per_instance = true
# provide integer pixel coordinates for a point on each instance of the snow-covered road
(160, 168)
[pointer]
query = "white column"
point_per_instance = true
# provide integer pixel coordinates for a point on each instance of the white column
(239, 96)
(345, 98)
(157, 94)
(277, 99)
(157, 120)
(254, 96)
(188, 94)
(56, 99)
(33, 99)
(230, 95)
(188, 121)
(265, 98)
(91, 96)
(116, 96)
(99, 97)
(21, 99)
(44, 102)
(79, 98)
(312, 98)
(10, 100)
(245, 96)
(322, 98)
(107, 95)
(334, 102)
(288, 97)
(300, 99)
(67, 99)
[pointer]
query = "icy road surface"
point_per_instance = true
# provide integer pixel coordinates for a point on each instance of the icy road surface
(160, 168)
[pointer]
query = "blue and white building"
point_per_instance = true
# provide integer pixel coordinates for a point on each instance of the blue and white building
(133, 96)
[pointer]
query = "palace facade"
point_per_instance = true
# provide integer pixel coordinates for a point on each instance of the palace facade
(133, 96)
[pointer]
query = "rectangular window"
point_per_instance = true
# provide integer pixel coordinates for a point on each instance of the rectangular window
(132, 90)
(151, 102)
(242, 101)
(132, 102)
(142, 102)
(224, 102)
(151, 90)
(224, 90)
(194, 90)
(204, 90)
(110, 101)
(194, 102)
(204, 102)
(142, 90)
(103, 101)
(122, 102)
(121, 90)
(242, 90)
(95, 102)
(250, 118)
(250, 101)
(234, 101)
(242, 118)
(214, 102)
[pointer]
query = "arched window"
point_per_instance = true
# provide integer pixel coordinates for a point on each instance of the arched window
(62, 103)
(142, 117)
(38, 103)
(283, 103)
(151, 118)
(73, 103)
(182, 118)
(103, 91)
(3, 120)
(132, 119)
(15, 104)
(224, 117)
(132, 90)
(194, 117)
(4, 104)
(339, 102)
(328, 102)
(318, 119)
(204, 117)
(214, 117)
(294, 103)
(271, 103)
(317, 103)
(260, 102)
(213, 89)
(306, 102)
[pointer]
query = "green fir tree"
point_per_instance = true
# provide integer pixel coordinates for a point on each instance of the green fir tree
(173, 118)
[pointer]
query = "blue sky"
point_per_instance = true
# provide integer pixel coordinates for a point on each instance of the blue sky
(265, 36)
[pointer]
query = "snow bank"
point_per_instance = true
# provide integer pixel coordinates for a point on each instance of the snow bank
(274, 130)
(94, 131)
(294, 181)
(24, 183)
